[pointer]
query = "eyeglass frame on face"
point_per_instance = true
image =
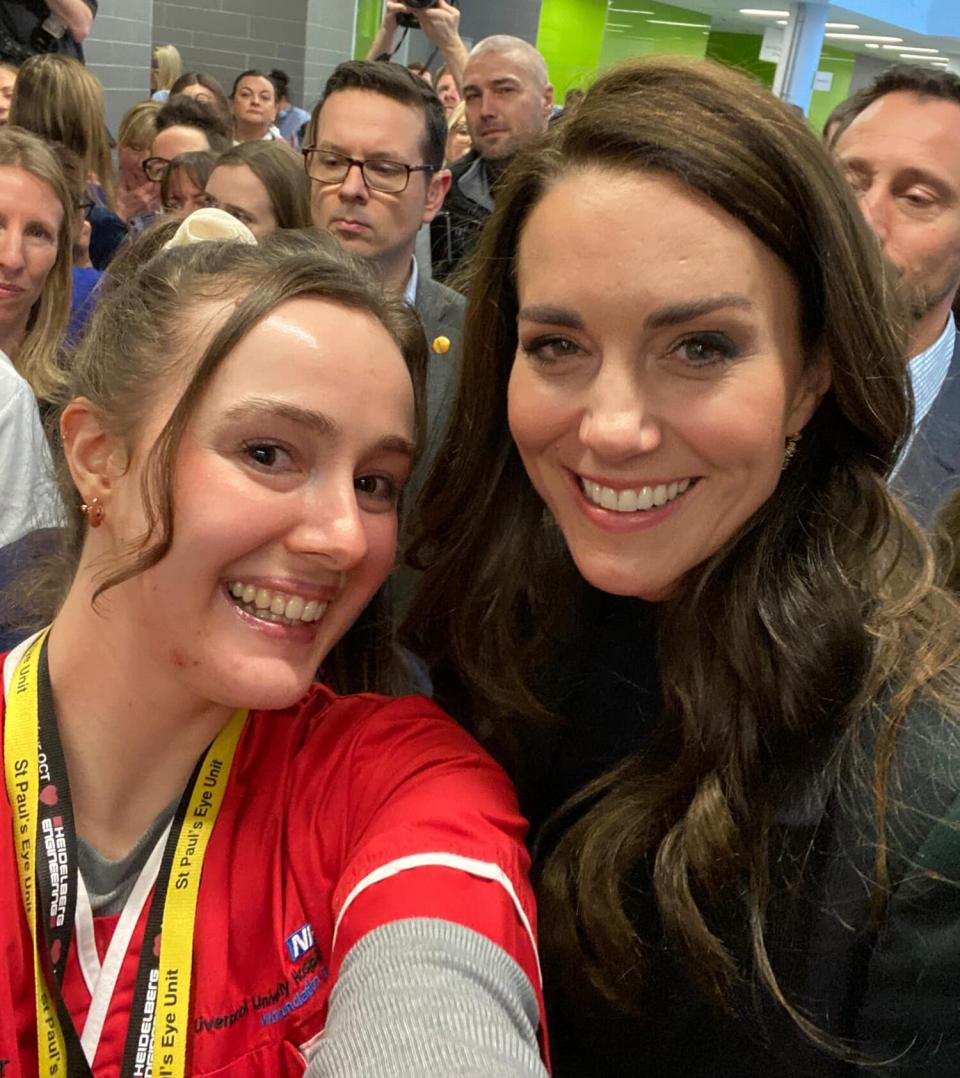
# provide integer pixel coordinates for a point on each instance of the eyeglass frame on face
(147, 171)
(350, 162)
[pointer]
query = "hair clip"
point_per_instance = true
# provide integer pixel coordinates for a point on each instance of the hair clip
(210, 224)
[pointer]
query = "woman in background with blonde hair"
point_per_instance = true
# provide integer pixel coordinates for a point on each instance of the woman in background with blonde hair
(35, 258)
(165, 68)
(8, 79)
(35, 255)
(459, 141)
(135, 193)
(58, 99)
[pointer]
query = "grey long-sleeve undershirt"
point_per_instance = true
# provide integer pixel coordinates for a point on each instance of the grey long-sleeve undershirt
(418, 998)
(427, 998)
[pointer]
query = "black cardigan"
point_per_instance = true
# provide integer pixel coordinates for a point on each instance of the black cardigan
(892, 993)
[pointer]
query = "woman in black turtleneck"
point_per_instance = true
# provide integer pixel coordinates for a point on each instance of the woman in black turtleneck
(666, 581)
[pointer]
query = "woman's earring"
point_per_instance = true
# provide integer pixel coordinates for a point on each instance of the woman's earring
(790, 450)
(94, 512)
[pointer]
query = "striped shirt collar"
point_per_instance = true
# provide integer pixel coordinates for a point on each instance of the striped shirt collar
(928, 371)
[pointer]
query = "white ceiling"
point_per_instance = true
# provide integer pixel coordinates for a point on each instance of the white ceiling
(725, 16)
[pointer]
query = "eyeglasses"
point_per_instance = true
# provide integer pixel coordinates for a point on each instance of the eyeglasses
(86, 205)
(154, 168)
(388, 177)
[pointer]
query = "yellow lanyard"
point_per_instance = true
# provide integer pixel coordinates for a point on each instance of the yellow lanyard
(165, 1022)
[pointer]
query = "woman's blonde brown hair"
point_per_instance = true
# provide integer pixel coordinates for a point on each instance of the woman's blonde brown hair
(57, 98)
(197, 164)
(37, 358)
(950, 524)
(772, 654)
(139, 126)
(168, 66)
(281, 172)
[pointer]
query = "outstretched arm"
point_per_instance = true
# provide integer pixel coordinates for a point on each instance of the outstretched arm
(383, 43)
(441, 26)
(432, 997)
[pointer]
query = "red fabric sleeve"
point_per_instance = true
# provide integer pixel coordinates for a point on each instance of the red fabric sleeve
(434, 831)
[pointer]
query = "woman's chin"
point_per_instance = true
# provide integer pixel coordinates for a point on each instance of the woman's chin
(623, 578)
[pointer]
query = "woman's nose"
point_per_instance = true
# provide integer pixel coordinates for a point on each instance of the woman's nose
(619, 421)
(331, 526)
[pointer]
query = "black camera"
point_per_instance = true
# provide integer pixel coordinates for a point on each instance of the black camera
(411, 20)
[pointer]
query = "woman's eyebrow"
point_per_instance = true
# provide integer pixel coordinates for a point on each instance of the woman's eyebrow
(318, 422)
(305, 417)
(678, 313)
(674, 314)
(551, 316)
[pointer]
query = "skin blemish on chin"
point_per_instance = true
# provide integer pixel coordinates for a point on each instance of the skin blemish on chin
(181, 660)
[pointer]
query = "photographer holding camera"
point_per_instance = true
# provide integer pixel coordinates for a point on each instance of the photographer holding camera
(440, 22)
(28, 27)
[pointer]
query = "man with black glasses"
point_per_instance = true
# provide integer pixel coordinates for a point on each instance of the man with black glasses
(374, 155)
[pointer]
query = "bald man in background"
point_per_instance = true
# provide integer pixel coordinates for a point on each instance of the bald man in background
(509, 102)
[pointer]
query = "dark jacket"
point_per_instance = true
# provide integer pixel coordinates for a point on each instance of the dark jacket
(20, 34)
(441, 312)
(455, 228)
(891, 991)
(930, 471)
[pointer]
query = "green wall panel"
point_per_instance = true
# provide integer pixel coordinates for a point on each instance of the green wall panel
(368, 23)
(640, 28)
(741, 51)
(570, 37)
(840, 63)
(578, 38)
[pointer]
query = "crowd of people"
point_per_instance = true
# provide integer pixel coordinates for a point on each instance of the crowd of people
(480, 578)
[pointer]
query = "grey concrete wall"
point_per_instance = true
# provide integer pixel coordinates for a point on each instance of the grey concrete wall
(225, 37)
(480, 19)
(306, 38)
(118, 53)
(330, 31)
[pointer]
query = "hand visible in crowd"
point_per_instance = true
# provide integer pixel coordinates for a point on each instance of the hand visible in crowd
(440, 24)
(81, 247)
(393, 9)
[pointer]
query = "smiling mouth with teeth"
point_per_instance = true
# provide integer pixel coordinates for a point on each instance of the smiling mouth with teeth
(275, 606)
(639, 500)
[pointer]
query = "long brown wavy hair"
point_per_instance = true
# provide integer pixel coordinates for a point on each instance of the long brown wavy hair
(820, 612)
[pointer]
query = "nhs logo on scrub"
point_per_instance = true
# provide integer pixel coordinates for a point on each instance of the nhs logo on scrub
(299, 942)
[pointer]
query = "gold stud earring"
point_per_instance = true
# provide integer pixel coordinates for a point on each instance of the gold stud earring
(94, 512)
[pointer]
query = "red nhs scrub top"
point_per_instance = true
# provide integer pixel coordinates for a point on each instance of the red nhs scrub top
(340, 815)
